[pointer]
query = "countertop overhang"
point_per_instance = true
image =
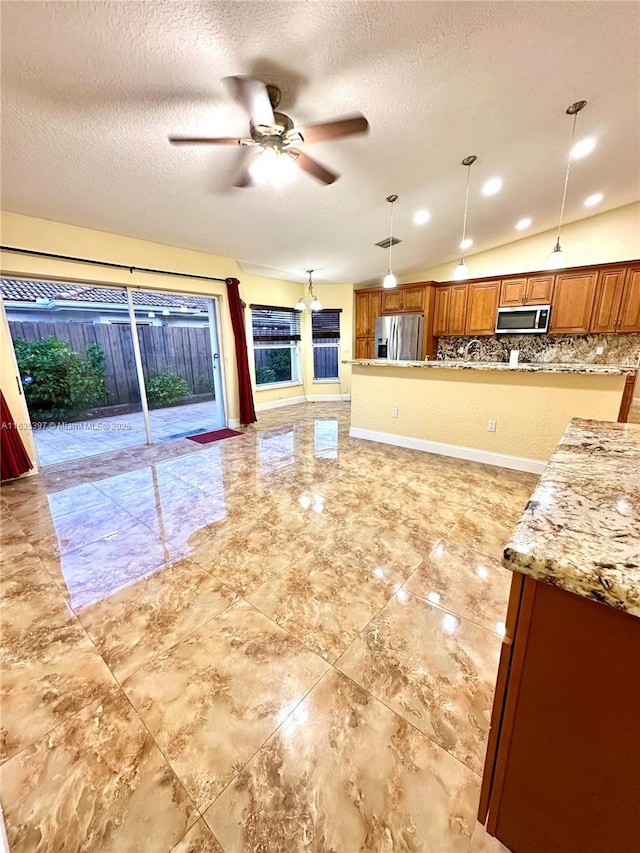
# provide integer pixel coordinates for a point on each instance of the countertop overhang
(580, 530)
(521, 367)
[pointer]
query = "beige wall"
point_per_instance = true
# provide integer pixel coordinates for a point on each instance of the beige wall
(610, 236)
(453, 407)
(59, 238)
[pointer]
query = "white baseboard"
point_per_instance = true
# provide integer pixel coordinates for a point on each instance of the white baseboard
(234, 423)
(310, 398)
(488, 457)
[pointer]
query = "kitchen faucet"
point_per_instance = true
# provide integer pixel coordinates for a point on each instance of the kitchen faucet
(468, 347)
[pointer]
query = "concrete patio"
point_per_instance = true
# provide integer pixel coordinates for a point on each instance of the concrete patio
(60, 443)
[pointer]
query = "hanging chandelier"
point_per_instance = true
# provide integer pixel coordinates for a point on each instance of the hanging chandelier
(310, 301)
(461, 271)
(556, 259)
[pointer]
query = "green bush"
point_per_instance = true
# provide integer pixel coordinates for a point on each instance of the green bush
(264, 375)
(60, 384)
(165, 388)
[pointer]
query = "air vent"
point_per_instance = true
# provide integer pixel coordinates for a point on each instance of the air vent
(390, 241)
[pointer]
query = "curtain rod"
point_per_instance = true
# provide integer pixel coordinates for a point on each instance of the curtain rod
(131, 269)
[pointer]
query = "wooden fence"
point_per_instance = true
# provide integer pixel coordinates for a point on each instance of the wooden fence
(185, 350)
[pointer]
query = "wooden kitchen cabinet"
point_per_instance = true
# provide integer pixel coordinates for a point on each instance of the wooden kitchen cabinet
(573, 298)
(629, 318)
(450, 310)
(539, 290)
(367, 310)
(513, 292)
(364, 347)
(404, 300)
(482, 307)
(535, 290)
(608, 300)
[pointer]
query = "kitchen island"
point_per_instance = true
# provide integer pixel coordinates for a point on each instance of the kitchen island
(483, 411)
(562, 766)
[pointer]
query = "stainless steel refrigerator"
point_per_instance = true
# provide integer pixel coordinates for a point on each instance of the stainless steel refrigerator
(399, 337)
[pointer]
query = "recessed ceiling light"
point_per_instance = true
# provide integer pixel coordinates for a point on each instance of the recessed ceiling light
(523, 223)
(582, 148)
(421, 216)
(594, 199)
(465, 244)
(492, 186)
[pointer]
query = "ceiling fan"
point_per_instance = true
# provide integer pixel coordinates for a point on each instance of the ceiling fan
(274, 141)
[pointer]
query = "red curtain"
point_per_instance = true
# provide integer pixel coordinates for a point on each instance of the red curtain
(236, 307)
(14, 459)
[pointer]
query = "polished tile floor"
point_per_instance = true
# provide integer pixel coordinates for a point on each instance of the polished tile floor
(285, 641)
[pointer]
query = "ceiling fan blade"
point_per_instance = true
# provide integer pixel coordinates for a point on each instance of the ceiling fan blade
(243, 178)
(312, 167)
(253, 96)
(334, 129)
(205, 140)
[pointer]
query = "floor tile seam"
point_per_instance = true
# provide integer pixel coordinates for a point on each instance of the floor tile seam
(165, 650)
(138, 716)
(448, 609)
(280, 627)
(404, 719)
(206, 808)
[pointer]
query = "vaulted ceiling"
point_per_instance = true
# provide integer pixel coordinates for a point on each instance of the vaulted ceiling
(90, 92)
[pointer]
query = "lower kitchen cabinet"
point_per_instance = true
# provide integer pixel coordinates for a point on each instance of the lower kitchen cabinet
(364, 347)
(556, 779)
(483, 306)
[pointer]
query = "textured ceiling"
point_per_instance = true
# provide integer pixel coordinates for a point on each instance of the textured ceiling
(91, 90)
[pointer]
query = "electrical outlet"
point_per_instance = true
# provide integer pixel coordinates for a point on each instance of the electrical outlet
(460, 350)
(599, 350)
(394, 412)
(491, 426)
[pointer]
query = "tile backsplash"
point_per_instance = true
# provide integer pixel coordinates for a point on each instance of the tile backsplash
(569, 349)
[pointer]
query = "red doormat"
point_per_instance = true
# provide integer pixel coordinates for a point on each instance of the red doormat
(216, 435)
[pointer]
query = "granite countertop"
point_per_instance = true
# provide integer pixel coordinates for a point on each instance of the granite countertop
(522, 367)
(581, 528)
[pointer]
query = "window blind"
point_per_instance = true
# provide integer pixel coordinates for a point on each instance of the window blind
(325, 324)
(270, 323)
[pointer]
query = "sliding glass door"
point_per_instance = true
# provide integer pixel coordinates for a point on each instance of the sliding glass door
(180, 358)
(106, 368)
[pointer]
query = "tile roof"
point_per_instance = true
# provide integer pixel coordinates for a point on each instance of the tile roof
(28, 290)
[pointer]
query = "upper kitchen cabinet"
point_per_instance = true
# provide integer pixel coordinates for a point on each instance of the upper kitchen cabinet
(629, 317)
(401, 300)
(606, 310)
(573, 299)
(450, 309)
(367, 311)
(535, 290)
(482, 308)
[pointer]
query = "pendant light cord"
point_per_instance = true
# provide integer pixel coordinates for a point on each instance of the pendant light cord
(566, 177)
(466, 207)
(391, 235)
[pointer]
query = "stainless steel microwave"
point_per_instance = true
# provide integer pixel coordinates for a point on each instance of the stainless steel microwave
(523, 320)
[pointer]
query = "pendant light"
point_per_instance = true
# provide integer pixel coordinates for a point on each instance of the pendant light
(313, 303)
(389, 280)
(461, 272)
(556, 259)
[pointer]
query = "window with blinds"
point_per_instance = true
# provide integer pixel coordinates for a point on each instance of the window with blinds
(276, 344)
(325, 336)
